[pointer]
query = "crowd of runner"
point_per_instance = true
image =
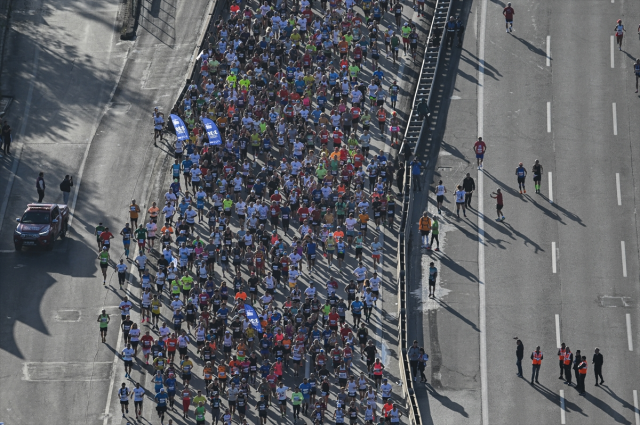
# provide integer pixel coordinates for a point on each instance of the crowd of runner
(268, 246)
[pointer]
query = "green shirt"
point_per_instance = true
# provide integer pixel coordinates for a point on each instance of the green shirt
(321, 172)
(99, 230)
(296, 398)
(434, 227)
(104, 257)
(104, 320)
(186, 282)
(326, 309)
(141, 234)
(200, 411)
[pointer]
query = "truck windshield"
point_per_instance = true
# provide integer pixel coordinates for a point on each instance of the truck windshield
(35, 217)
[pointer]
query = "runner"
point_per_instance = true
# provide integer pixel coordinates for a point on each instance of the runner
(460, 201)
(619, 31)
(521, 173)
(508, 13)
(104, 258)
(480, 148)
(497, 195)
(537, 171)
(104, 320)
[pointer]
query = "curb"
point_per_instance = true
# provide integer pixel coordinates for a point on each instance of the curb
(131, 12)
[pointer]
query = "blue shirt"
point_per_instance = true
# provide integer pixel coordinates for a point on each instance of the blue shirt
(305, 389)
(311, 248)
(258, 187)
(379, 74)
(161, 398)
(521, 172)
(170, 383)
(415, 168)
(356, 306)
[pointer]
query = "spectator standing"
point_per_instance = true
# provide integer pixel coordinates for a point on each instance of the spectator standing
(40, 186)
(598, 361)
(519, 356)
(6, 138)
(65, 187)
(416, 172)
(469, 185)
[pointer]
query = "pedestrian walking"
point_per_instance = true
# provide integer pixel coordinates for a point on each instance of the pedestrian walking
(480, 147)
(469, 185)
(460, 31)
(416, 172)
(40, 186)
(435, 233)
(423, 109)
(582, 375)
(537, 169)
(598, 360)
(521, 173)
(422, 364)
(440, 191)
(536, 361)
(561, 352)
(433, 275)
(6, 138)
(65, 187)
(568, 360)
(460, 201)
(425, 228)
(519, 356)
(413, 353)
(451, 31)
(497, 195)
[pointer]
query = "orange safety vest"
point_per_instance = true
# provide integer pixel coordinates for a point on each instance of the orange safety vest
(561, 355)
(537, 358)
(425, 224)
(382, 115)
(567, 358)
(582, 370)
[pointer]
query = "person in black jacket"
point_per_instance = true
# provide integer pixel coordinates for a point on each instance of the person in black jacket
(469, 185)
(519, 356)
(598, 360)
(577, 359)
(65, 187)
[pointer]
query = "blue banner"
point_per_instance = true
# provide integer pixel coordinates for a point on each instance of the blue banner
(252, 316)
(181, 129)
(212, 132)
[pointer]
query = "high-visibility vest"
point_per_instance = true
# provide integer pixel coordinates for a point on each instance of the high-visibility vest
(567, 358)
(582, 368)
(425, 224)
(382, 115)
(537, 358)
(561, 355)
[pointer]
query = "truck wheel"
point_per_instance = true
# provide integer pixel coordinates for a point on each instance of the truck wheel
(18, 246)
(63, 232)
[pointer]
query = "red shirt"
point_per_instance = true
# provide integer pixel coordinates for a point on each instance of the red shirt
(275, 210)
(508, 12)
(499, 198)
(480, 147)
(303, 213)
(105, 236)
(276, 197)
(147, 341)
(333, 319)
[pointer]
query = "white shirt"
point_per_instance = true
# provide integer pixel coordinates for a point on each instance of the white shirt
(138, 394)
(282, 392)
(125, 306)
(123, 393)
(127, 355)
(386, 390)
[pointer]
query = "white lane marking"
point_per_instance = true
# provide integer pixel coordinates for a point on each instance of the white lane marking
(613, 43)
(563, 419)
(618, 189)
(23, 127)
(548, 50)
(548, 117)
(554, 263)
(635, 395)
(550, 187)
(615, 119)
(558, 340)
(481, 271)
(629, 335)
(624, 259)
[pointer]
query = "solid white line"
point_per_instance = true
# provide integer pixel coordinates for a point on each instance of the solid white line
(629, 335)
(558, 340)
(481, 271)
(548, 50)
(563, 419)
(548, 117)
(635, 395)
(613, 43)
(23, 127)
(554, 263)
(624, 259)
(615, 120)
(618, 189)
(550, 187)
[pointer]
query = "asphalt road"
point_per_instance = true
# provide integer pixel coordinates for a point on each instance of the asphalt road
(82, 105)
(592, 290)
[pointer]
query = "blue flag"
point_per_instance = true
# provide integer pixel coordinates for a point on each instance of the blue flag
(181, 129)
(212, 132)
(252, 316)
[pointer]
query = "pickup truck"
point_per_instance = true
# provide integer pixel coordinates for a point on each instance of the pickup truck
(40, 225)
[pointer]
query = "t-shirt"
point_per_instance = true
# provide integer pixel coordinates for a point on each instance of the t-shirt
(479, 147)
(508, 12)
